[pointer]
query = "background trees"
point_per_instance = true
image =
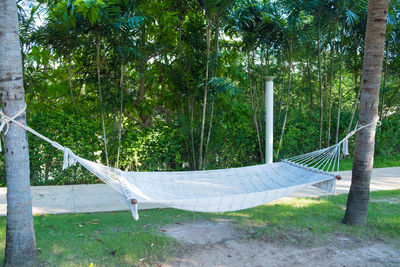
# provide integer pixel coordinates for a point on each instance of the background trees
(130, 78)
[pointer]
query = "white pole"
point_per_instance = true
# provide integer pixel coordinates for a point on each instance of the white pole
(269, 120)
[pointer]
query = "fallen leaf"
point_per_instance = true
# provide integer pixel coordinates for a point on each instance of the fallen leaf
(99, 240)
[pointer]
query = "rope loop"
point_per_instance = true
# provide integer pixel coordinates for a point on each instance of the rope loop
(5, 121)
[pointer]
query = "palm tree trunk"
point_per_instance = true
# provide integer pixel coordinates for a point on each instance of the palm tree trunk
(101, 97)
(203, 121)
(357, 202)
(20, 236)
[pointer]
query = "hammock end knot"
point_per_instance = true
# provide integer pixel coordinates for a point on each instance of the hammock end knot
(69, 159)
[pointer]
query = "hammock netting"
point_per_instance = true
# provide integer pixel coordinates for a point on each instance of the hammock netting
(213, 190)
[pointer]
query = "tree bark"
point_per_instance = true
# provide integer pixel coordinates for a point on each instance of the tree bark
(20, 236)
(357, 202)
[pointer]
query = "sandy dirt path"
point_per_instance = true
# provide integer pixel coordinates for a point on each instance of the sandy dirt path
(220, 244)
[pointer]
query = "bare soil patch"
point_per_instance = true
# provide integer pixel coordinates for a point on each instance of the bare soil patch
(221, 244)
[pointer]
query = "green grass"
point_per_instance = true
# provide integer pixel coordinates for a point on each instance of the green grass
(379, 162)
(115, 239)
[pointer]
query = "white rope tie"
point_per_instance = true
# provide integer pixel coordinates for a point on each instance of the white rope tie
(5, 121)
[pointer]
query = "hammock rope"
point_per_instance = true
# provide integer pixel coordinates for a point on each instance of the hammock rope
(212, 190)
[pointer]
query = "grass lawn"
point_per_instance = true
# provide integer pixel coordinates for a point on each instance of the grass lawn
(115, 239)
(379, 162)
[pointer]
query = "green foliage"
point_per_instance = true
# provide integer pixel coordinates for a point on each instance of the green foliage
(299, 138)
(156, 149)
(152, 64)
(77, 133)
(388, 137)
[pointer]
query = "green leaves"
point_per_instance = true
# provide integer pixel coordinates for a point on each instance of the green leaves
(89, 9)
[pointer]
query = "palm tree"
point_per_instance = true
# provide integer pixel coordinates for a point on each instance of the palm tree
(20, 236)
(357, 202)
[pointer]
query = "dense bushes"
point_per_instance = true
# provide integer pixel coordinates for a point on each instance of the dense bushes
(388, 137)
(155, 149)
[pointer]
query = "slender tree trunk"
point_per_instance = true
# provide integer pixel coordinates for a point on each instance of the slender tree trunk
(192, 135)
(384, 83)
(287, 101)
(20, 236)
(101, 97)
(353, 110)
(70, 84)
(340, 86)
(281, 93)
(325, 89)
(328, 138)
(209, 131)
(213, 74)
(321, 105)
(310, 88)
(203, 121)
(390, 100)
(121, 105)
(254, 116)
(357, 202)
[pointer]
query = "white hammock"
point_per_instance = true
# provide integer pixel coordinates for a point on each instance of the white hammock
(213, 190)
